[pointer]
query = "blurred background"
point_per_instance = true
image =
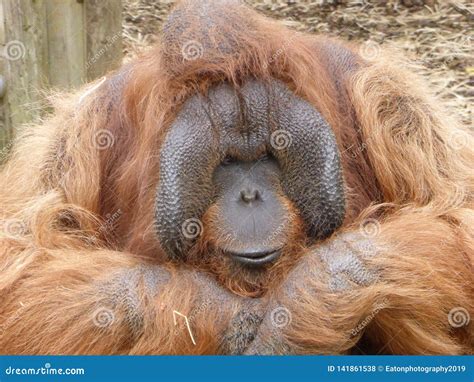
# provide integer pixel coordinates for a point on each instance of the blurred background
(61, 44)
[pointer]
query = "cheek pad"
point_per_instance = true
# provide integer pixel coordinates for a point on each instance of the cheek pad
(312, 175)
(184, 191)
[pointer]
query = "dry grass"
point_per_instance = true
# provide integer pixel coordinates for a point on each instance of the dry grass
(436, 35)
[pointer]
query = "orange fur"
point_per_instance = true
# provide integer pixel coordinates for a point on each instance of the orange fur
(58, 188)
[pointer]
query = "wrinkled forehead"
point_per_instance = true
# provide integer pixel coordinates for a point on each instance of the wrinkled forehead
(243, 119)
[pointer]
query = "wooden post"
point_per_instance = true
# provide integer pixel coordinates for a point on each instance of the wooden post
(24, 61)
(66, 43)
(103, 37)
(57, 44)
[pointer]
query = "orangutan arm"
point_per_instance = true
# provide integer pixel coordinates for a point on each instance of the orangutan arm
(104, 302)
(407, 289)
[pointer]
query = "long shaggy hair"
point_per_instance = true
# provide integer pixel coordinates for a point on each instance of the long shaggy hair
(77, 192)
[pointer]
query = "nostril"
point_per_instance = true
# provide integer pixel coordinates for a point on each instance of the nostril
(249, 195)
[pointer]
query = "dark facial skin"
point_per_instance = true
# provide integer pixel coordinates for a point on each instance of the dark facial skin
(304, 170)
(253, 216)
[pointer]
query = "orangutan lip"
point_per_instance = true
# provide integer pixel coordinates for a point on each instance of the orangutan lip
(256, 259)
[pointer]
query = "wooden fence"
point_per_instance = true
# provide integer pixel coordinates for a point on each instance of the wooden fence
(57, 44)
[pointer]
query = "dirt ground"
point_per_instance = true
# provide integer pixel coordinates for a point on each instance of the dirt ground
(437, 35)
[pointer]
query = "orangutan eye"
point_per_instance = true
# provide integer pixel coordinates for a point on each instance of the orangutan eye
(228, 160)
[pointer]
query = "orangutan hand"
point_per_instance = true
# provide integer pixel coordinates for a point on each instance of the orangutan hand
(139, 291)
(336, 267)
